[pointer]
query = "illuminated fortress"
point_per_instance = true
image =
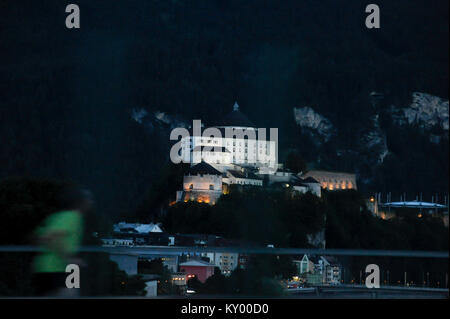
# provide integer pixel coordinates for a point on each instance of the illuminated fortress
(220, 161)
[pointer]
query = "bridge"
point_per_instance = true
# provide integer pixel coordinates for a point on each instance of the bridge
(176, 250)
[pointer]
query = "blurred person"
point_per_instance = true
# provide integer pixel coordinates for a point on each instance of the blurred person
(59, 236)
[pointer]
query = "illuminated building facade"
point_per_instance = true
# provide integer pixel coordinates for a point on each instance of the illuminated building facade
(203, 184)
(333, 180)
(225, 151)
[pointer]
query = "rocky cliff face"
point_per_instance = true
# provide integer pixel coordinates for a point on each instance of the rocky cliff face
(314, 123)
(156, 119)
(386, 132)
(427, 111)
(374, 141)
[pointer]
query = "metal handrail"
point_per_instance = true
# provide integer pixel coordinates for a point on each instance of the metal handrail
(151, 250)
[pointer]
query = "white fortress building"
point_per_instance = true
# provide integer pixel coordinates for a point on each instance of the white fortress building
(234, 152)
(238, 153)
(203, 184)
(235, 142)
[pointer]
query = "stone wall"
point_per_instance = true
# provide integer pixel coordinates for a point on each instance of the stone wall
(333, 180)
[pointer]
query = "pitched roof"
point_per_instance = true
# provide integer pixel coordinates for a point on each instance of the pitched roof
(195, 262)
(327, 173)
(204, 169)
(137, 228)
(236, 118)
(310, 180)
(314, 259)
(246, 175)
(297, 181)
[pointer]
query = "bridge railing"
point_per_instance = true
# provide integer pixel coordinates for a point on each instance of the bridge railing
(16, 261)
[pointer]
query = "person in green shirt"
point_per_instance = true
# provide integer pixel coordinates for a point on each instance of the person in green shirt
(59, 237)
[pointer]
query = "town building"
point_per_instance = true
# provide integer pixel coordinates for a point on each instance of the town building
(284, 178)
(200, 269)
(198, 240)
(226, 262)
(179, 278)
(318, 270)
(151, 285)
(169, 261)
(330, 269)
(139, 234)
(243, 261)
(304, 265)
(123, 227)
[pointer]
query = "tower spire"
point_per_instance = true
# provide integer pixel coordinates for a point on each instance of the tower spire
(236, 106)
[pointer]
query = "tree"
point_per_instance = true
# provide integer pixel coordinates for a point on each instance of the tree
(195, 284)
(216, 284)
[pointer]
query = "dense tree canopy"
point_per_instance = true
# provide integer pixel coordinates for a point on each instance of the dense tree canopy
(252, 214)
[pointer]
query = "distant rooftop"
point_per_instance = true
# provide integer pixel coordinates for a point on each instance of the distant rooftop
(310, 180)
(123, 227)
(200, 263)
(324, 172)
(236, 118)
(203, 168)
